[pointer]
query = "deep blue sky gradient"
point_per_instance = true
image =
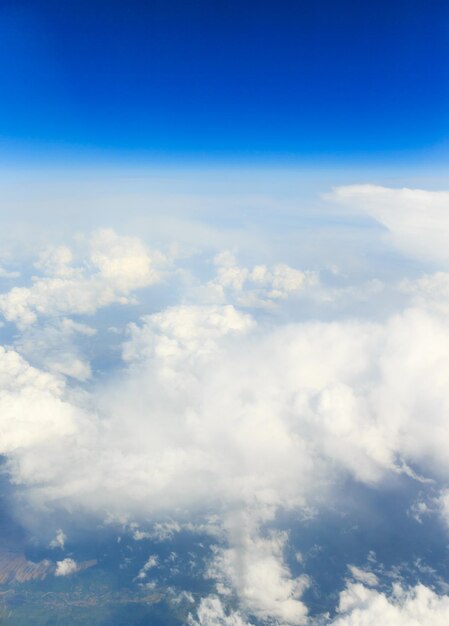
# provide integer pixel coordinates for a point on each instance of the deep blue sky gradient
(225, 77)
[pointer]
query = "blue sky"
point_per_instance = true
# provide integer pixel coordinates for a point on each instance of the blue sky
(225, 80)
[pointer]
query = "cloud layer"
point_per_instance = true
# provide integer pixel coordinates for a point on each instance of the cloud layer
(242, 399)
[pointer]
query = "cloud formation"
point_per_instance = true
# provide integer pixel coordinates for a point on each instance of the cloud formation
(259, 286)
(417, 220)
(254, 568)
(33, 410)
(419, 606)
(110, 269)
(66, 567)
(220, 412)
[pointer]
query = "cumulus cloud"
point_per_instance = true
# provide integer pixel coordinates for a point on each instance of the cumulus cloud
(178, 332)
(254, 568)
(33, 409)
(417, 220)
(221, 417)
(212, 613)
(210, 396)
(259, 286)
(269, 417)
(66, 567)
(419, 606)
(112, 267)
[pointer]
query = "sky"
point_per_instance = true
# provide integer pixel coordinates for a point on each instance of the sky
(224, 287)
(228, 80)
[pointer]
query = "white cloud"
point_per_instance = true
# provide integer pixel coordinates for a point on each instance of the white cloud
(212, 613)
(211, 397)
(260, 286)
(67, 567)
(419, 606)
(363, 576)
(430, 291)
(33, 410)
(174, 334)
(107, 273)
(254, 568)
(417, 220)
(267, 416)
(151, 563)
(139, 535)
(59, 540)
(218, 415)
(358, 606)
(54, 347)
(124, 262)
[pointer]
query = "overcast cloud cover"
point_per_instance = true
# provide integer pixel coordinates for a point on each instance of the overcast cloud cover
(208, 384)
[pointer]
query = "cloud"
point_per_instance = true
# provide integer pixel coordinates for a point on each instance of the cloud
(212, 613)
(442, 505)
(151, 563)
(67, 567)
(179, 332)
(59, 540)
(259, 286)
(55, 347)
(363, 576)
(161, 531)
(253, 567)
(7, 274)
(33, 410)
(417, 220)
(420, 606)
(108, 272)
(209, 395)
(429, 291)
(220, 414)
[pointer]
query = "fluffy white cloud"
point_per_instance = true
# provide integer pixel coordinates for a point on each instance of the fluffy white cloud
(254, 568)
(417, 220)
(364, 576)
(180, 332)
(211, 397)
(219, 415)
(260, 286)
(112, 267)
(212, 613)
(420, 606)
(358, 606)
(32, 405)
(66, 567)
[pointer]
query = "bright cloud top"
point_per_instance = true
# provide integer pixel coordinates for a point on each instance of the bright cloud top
(108, 271)
(417, 220)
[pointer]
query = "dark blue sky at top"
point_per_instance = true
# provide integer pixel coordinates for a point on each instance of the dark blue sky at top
(225, 77)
